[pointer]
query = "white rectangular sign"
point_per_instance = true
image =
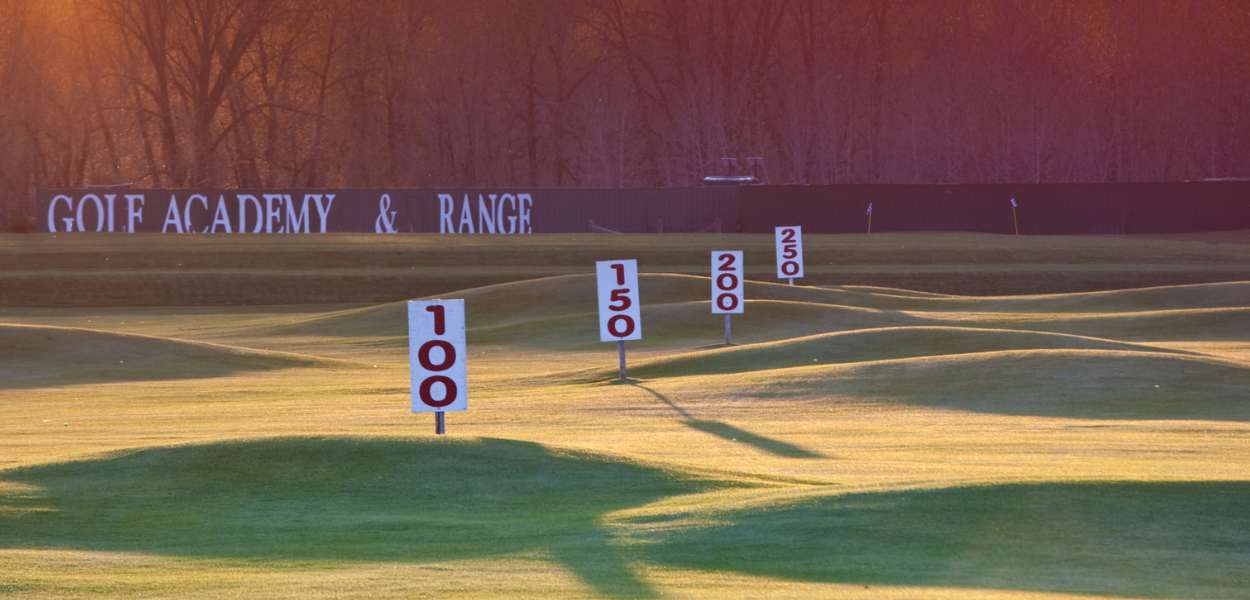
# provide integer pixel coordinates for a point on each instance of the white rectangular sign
(619, 316)
(789, 252)
(438, 357)
(727, 282)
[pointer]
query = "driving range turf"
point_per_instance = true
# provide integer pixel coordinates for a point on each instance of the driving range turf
(931, 416)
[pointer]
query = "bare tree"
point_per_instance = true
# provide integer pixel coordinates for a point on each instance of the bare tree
(616, 92)
(183, 57)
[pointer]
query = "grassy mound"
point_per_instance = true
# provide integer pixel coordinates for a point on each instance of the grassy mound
(562, 312)
(34, 355)
(867, 345)
(440, 501)
(1176, 297)
(1150, 299)
(504, 304)
(1090, 384)
(341, 499)
(692, 324)
(40, 270)
(1140, 540)
(1214, 324)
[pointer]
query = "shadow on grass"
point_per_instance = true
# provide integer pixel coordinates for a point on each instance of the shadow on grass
(444, 500)
(342, 499)
(742, 436)
(1174, 540)
(730, 433)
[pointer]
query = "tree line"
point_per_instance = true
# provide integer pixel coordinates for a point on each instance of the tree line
(616, 93)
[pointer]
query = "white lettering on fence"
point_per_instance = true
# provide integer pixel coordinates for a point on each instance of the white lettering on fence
(496, 213)
(198, 212)
(279, 213)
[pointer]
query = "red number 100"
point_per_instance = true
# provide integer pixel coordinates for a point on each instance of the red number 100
(425, 390)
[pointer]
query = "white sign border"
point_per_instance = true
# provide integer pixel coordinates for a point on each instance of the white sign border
(608, 281)
(422, 332)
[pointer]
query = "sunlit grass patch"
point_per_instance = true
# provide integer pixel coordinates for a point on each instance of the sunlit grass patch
(1085, 384)
(41, 355)
(868, 345)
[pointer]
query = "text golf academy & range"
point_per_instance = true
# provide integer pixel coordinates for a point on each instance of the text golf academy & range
(284, 211)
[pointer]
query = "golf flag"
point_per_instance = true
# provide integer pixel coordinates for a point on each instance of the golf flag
(1013, 202)
(869, 208)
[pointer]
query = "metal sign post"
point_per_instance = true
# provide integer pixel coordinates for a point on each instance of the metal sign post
(620, 346)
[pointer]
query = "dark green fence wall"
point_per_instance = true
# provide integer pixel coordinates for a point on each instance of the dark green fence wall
(1050, 209)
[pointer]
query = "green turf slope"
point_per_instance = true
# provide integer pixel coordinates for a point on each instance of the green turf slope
(1086, 384)
(1084, 354)
(344, 499)
(33, 356)
(1139, 540)
(555, 310)
(440, 501)
(868, 345)
(91, 270)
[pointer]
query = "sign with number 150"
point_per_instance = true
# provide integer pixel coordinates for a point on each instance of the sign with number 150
(619, 316)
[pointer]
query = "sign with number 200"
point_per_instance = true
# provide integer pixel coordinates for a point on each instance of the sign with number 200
(727, 282)
(619, 315)
(436, 348)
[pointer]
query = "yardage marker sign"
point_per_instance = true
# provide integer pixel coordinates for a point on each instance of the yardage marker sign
(789, 252)
(619, 316)
(437, 356)
(727, 282)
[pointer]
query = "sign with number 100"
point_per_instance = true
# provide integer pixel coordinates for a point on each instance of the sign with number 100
(727, 282)
(789, 252)
(436, 348)
(619, 316)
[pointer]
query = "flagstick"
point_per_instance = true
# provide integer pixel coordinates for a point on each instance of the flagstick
(1014, 221)
(870, 222)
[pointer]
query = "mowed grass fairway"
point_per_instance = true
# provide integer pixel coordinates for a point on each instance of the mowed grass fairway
(976, 416)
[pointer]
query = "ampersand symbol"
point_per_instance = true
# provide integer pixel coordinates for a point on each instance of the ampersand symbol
(385, 222)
